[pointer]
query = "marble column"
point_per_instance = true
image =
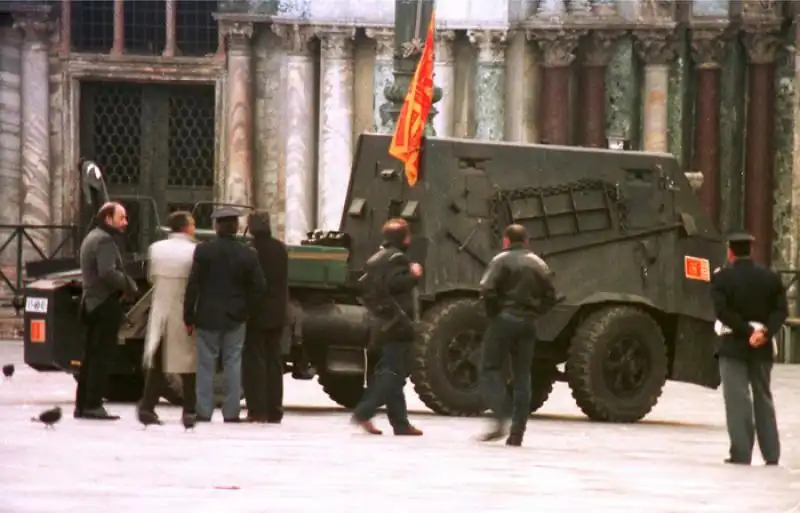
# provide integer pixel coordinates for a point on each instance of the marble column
(657, 48)
(762, 46)
(170, 45)
(558, 51)
(522, 80)
(10, 146)
(35, 130)
(599, 51)
(444, 76)
(119, 28)
(239, 141)
(708, 50)
(382, 77)
(299, 124)
(490, 84)
(335, 124)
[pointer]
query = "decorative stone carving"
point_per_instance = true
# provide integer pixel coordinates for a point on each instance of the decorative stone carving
(384, 42)
(657, 9)
(604, 8)
(708, 47)
(557, 46)
(491, 44)
(238, 34)
(296, 38)
(337, 42)
(600, 47)
(579, 8)
(445, 78)
(761, 9)
(383, 78)
(35, 29)
(443, 45)
(762, 43)
(656, 46)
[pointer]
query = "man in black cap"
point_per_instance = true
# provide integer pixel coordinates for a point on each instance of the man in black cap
(224, 283)
(750, 304)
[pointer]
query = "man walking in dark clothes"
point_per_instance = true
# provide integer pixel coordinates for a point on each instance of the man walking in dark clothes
(388, 282)
(224, 282)
(262, 366)
(750, 305)
(516, 289)
(104, 285)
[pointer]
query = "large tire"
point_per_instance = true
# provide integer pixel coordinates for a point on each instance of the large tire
(446, 358)
(345, 391)
(617, 364)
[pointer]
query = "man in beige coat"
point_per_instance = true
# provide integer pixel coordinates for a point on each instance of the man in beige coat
(169, 348)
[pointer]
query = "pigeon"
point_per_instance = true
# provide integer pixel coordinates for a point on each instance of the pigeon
(189, 422)
(49, 417)
(8, 370)
(148, 418)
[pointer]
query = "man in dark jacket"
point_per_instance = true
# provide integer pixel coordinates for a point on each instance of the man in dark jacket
(516, 289)
(750, 305)
(388, 283)
(262, 367)
(224, 283)
(104, 284)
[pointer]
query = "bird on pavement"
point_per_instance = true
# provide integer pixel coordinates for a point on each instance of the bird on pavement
(8, 370)
(49, 417)
(147, 418)
(189, 421)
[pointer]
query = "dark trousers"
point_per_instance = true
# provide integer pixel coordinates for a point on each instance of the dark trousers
(102, 326)
(391, 372)
(738, 378)
(262, 373)
(515, 338)
(155, 380)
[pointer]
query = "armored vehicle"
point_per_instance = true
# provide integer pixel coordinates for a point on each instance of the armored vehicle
(629, 243)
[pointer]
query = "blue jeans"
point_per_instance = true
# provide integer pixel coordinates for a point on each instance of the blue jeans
(390, 378)
(209, 346)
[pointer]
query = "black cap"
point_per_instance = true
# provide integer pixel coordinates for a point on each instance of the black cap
(740, 237)
(226, 212)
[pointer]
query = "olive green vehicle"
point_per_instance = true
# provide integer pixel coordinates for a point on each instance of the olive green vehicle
(630, 244)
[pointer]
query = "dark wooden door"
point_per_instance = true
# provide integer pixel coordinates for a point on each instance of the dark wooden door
(155, 144)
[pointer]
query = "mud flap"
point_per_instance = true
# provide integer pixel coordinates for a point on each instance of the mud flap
(694, 359)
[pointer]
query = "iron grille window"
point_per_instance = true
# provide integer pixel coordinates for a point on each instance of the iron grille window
(196, 30)
(145, 26)
(118, 131)
(202, 216)
(191, 137)
(92, 25)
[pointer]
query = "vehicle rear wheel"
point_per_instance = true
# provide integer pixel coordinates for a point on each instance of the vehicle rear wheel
(345, 390)
(617, 364)
(446, 358)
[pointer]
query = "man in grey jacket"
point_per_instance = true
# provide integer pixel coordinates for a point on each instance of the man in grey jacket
(104, 285)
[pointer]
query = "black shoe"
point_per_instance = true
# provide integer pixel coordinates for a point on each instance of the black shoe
(98, 414)
(304, 374)
(771, 463)
(732, 461)
(148, 417)
(235, 420)
(198, 418)
(497, 432)
(514, 440)
(78, 414)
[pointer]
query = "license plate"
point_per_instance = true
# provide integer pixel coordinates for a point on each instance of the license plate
(36, 305)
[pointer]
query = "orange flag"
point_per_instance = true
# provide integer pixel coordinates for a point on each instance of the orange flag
(407, 139)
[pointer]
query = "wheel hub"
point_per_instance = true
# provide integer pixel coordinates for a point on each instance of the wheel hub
(462, 360)
(626, 366)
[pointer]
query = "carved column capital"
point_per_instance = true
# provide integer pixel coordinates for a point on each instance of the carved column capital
(238, 34)
(656, 46)
(600, 47)
(762, 43)
(336, 41)
(659, 10)
(384, 42)
(35, 28)
(491, 44)
(443, 45)
(295, 38)
(557, 46)
(708, 47)
(761, 9)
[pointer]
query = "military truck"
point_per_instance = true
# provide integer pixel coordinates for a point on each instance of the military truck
(630, 244)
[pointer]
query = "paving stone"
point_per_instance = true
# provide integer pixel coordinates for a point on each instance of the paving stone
(315, 461)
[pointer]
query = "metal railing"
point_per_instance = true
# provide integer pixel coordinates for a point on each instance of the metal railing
(20, 233)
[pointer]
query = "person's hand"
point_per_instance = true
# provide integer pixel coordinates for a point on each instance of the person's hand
(416, 269)
(189, 329)
(758, 338)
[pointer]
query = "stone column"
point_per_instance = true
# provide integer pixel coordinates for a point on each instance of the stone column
(598, 55)
(762, 44)
(35, 129)
(335, 124)
(490, 83)
(558, 51)
(66, 26)
(10, 147)
(239, 141)
(522, 81)
(444, 76)
(299, 124)
(384, 54)
(170, 44)
(657, 48)
(708, 50)
(119, 28)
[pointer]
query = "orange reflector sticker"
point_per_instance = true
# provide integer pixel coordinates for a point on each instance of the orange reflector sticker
(36, 331)
(697, 268)
(75, 363)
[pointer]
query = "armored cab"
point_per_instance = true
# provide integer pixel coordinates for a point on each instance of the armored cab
(630, 245)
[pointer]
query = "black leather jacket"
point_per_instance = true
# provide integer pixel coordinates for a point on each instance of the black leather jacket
(387, 289)
(517, 281)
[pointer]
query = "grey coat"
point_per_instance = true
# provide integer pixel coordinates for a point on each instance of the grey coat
(102, 270)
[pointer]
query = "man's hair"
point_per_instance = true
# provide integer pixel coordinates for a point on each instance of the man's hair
(106, 211)
(395, 231)
(516, 234)
(740, 248)
(258, 222)
(226, 226)
(179, 220)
